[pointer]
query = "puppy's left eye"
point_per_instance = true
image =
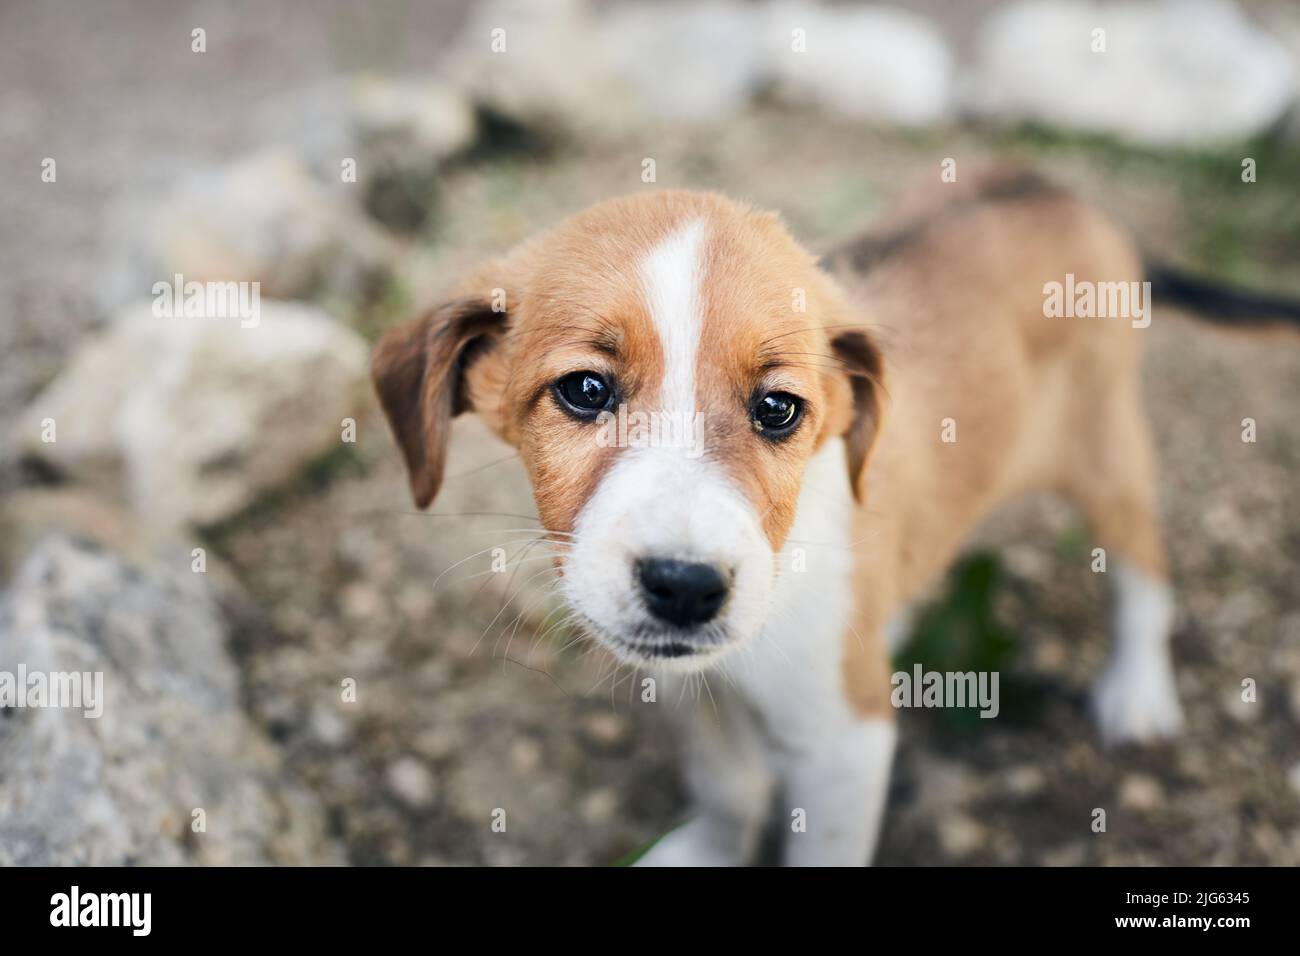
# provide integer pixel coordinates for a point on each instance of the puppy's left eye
(776, 414)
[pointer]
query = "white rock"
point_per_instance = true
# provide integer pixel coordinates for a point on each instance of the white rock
(874, 64)
(170, 738)
(549, 70)
(416, 122)
(1173, 73)
(263, 219)
(404, 131)
(566, 68)
(422, 116)
(198, 416)
(700, 64)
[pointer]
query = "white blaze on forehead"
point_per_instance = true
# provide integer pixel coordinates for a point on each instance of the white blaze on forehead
(659, 500)
(670, 279)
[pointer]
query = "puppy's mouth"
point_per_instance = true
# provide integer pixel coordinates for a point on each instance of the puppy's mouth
(667, 650)
(647, 646)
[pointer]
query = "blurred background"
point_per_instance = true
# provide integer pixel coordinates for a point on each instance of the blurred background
(291, 649)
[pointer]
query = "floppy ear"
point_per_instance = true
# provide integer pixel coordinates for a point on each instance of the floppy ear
(862, 362)
(419, 374)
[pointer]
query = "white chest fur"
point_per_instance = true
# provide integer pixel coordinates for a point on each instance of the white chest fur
(792, 674)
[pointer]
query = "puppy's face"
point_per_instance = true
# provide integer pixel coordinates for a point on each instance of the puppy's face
(666, 365)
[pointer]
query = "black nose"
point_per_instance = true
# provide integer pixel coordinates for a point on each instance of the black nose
(683, 593)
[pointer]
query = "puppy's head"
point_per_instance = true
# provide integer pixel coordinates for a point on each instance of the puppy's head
(666, 365)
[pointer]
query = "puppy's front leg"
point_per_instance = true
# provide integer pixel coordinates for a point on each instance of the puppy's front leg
(729, 782)
(835, 795)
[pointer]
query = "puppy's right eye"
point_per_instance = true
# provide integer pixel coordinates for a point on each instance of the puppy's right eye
(584, 394)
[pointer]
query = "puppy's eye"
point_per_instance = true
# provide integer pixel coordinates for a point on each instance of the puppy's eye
(584, 394)
(776, 414)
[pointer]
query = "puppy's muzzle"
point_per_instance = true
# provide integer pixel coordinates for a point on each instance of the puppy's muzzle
(683, 594)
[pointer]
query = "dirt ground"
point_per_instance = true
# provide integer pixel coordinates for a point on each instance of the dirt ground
(461, 713)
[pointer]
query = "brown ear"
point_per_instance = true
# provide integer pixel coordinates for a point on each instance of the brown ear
(419, 374)
(862, 362)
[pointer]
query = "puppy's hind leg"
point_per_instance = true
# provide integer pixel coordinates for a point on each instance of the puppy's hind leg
(1135, 698)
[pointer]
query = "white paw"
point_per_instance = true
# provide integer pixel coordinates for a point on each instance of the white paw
(1135, 700)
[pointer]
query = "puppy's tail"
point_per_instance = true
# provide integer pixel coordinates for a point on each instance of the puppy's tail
(1221, 303)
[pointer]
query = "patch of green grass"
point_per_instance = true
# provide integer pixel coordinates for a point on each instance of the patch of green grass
(393, 304)
(960, 632)
(847, 205)
(1072, 542)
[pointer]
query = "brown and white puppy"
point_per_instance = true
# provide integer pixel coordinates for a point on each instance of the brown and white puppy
(818, 397)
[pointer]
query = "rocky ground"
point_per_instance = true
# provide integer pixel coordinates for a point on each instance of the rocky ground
(357, 713)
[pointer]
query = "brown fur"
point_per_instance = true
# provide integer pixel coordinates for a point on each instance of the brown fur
(1039, 403)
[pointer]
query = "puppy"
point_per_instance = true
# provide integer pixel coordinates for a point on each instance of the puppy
(861, 414)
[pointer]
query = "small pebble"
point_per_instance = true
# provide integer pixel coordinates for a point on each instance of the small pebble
(525, 754)
(410, 781)
(605, 727)
(360, 600)
(1024, 781)
(960, 835)
(1140, 792)
(328, 726)
(599, 806)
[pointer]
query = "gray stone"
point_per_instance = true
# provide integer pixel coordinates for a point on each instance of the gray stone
(264, 219)
(1172, 74)
(700, 65)
(194, 417)
(874, 64)
(124, 788)
(405, 131)
(565, 68)
(554, 73)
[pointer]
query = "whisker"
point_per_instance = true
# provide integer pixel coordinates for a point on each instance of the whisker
(512, 564)
(540, 671)
(465, 514)
(539, 530)
(471, 558)
(475, 471)
(518, 619)
(507, 603)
